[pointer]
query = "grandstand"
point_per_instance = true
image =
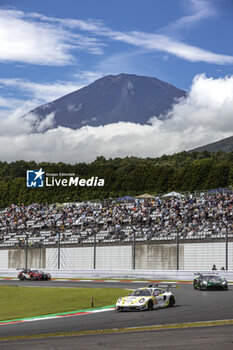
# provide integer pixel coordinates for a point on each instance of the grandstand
(207, 216)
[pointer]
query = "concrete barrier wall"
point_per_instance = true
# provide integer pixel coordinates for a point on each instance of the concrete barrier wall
(112, 257)
(191, 256)
(70, 258)
(147, 275)
(157, 256)
(4, 259)
(162, 256)
(17, 258)
(205, 255)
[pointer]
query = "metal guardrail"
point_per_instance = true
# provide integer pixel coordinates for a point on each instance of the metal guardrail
(152, 275)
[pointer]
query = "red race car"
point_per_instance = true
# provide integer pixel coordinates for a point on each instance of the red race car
(33, 275)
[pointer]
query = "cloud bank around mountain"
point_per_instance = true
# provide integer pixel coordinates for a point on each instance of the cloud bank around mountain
(204, 116)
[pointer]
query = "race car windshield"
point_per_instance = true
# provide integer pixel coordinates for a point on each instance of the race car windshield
(141, 293)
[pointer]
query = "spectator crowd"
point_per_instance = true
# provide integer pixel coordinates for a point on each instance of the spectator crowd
(205, 216)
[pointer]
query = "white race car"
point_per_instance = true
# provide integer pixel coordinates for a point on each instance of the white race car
(149, 298)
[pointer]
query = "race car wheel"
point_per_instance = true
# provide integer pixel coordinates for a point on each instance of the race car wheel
(22, 278)
(150, 304)
(202, 288)
(118, 309)
(33, 278)
(171, 300)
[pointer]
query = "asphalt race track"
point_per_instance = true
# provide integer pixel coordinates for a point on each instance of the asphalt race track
(213, 338)
(191, 306)
(72, 284)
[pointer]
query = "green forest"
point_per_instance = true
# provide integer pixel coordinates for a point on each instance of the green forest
(184, 172)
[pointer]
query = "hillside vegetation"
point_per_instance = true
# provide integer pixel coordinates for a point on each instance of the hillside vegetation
(183, 171)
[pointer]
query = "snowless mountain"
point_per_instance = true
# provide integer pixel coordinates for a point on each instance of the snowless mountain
(113, 98)
(225, 145)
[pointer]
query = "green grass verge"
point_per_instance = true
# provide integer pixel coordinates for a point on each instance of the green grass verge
(20, 302)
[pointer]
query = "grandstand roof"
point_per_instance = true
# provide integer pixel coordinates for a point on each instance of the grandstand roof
(173, 194)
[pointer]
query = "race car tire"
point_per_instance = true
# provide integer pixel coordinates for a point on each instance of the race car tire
(118, 310)
(22, 278)
(33, 278)
(150, 304)
(172, 300)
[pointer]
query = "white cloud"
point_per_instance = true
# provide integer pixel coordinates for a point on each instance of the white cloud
(87, 77)
(203, 117)
(172, 46)
(125, 61)
(199, 9)
(41, 125)
(37, 39)
(9, 102)
(14, 125)
(33, 39)
(43, 92)
(161, 42)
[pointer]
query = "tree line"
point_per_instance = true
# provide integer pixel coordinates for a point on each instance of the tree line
(185, 171)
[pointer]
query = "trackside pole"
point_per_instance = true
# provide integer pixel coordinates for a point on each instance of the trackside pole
(26, 252)
(59, 251)
(94, 262)
(226, 247)
(177, 250)
(134, 249)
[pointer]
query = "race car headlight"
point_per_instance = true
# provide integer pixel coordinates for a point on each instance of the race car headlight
(204, 282)
(119, 300)
(224, 282)
(142, 300)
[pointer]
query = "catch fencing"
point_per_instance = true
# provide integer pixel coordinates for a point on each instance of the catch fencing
(161, 255)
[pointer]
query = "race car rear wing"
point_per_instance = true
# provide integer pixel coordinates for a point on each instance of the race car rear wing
(205, 273)
(166, 285)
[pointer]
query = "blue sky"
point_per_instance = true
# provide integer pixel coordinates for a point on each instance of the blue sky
(74, 55)
(51, 48)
